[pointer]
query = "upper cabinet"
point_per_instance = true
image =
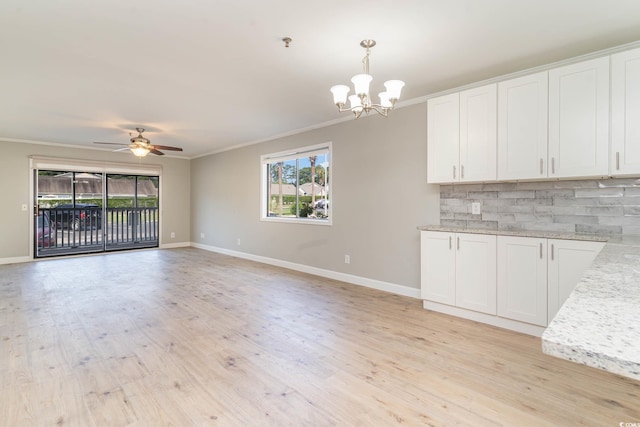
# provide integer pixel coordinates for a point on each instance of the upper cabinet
(443, 135)
(625, 113)
(579, 119)
(478, 134)
(522, 127)
(461, 133)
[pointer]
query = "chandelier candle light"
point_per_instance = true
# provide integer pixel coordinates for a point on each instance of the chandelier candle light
(361, 101)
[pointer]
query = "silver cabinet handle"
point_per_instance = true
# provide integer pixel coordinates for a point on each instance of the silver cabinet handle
(617, 160)
(458, 242)
(552, 256)
(449, 242)
(553, 165)
(454, 171)
(540, 250)
(461, 171)
(541, 167)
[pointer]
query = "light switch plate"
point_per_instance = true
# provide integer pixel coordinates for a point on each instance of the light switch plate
(475, 208)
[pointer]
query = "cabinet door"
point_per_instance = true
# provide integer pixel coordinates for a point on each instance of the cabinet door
(568, 260)
(522, 127)
(443, 138)
(476, 272)
(522, 279)
(625, 113)
(579, 119)
(438, 273)
(478, 134)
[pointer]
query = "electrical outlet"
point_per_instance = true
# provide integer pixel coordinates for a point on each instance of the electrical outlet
(173, 235)
(238, 242)
(202, 235)
(475, 208)
(347, 259)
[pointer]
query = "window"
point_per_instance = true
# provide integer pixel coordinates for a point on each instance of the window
(296, 185)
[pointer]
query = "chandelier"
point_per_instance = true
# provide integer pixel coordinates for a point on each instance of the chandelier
(361, 101)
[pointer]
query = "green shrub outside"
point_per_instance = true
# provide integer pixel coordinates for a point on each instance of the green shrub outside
(304, 202)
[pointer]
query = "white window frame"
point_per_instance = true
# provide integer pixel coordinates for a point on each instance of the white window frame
(294, 153)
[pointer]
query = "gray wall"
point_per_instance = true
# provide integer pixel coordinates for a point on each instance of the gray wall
(601, 206)
(14, 191)
(379, 196)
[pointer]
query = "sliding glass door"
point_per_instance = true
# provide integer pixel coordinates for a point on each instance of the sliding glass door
(82, 212)
(132, 217)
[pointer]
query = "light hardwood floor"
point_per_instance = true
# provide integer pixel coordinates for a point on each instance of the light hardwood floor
(186, 337)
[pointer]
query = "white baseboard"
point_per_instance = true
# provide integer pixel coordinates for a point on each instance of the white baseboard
(175, 245)
(489, 319)
(14, 260)
(329, 274)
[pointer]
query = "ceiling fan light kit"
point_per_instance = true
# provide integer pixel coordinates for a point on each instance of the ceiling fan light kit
(361, 101)
(139, 151)
(141, 146)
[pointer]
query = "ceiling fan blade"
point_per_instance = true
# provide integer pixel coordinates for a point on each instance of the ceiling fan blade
(167, 147)
(110, 143)
(156, 152)
(122, 149)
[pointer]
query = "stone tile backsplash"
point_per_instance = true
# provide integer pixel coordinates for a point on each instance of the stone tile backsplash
(600, 206)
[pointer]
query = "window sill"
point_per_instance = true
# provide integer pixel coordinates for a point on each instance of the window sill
(297, 220)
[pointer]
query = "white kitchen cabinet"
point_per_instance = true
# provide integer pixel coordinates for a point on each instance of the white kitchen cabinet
(476, 272)
(625, 113)
(478, 138)
(579, 119)
(568, 260)
(438, 267)
(522, 279)
(461, 136)
(512, 282)
(535, 276)
(443, 138)
(459, 269)
(522, 127)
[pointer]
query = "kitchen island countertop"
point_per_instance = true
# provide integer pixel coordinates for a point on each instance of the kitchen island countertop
(599, 324)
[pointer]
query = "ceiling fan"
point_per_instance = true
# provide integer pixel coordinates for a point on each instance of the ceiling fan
(141, 146)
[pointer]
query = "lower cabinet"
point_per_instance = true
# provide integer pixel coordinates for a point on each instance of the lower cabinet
(568, 260)
(476, 272)
(522, 279)
(459, 269)
(506, 281)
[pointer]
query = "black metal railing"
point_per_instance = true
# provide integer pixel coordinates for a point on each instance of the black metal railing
(127, 226)
(90, 229)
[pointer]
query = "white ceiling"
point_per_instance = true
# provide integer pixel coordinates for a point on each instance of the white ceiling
(207, 75)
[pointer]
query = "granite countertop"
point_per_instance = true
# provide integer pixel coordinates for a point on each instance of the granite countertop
(599, 324)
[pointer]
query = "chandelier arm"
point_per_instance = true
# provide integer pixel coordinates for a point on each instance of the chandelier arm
(380, 109)
(383, 111)
(353, 110)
